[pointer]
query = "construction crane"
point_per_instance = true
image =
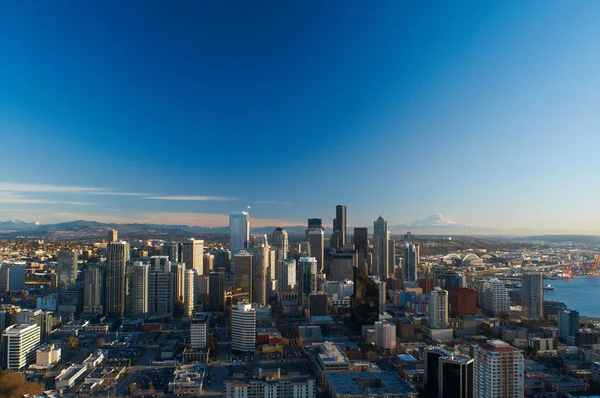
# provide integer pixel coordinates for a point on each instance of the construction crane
(231, 297)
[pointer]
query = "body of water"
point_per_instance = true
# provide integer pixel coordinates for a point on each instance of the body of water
(581, 294)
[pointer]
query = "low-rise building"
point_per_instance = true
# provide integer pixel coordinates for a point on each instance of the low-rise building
(368, 384)
(47, 356)
(188, 380)
(270, 383)
(70, 376)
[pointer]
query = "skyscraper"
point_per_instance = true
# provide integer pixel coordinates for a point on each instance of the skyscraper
(117, 255)
(411, 262)
(316, 247)
(193, 255)
(438, 308)
(498, 371)
(161, 288)
(361, 241)
(239, 232)
(243, 273)
(308, 280)
(139, 292)
(365, 299)
(260, 265)
(189, 292)
(93, 298)
(380, 248)
(495, 298)
(286, 275)
(171, 250)
(312, 224)
(19, 343)
(568, 324)
(532, 295)
(455, 377)
(216, 291)
(279, 242)
(318, 304)
(338, 239)
(391, 255)
(243, 328)
(113, 235)
(67, 266)
(342, 265)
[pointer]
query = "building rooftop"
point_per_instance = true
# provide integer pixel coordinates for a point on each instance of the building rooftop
(370, 384)
(331, 353)
(498, 346)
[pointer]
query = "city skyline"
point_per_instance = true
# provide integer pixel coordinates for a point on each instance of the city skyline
(185, 114)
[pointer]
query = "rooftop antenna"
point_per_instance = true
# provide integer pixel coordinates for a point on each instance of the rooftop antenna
(248, 210)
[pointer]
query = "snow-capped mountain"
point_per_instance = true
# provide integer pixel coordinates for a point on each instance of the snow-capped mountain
(435, 220)
(17, 225)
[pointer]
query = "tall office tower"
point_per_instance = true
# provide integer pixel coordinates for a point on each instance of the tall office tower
(495, 298)
(93, 292)
(216, 291)
(438, 308)
(117, 255)
(342, 265)
(71, 298)
(193, 255)
(36, 317)
(271, 274)
(243, 328)
(243, 273)
(202, 292)
(113, 236)
(260, 265)
(431, 367)
(382, 300)
(239, 232)
(313, 223)
(308, 280)
(455, 377)
(385, 335)
(411, 262)
(257, 240)
(568, 324)
(286, 275)
(451, 280)
(67, 266)
(189, 292)
(391, 256)
(380, 248)
(532, 295)
(316, 247)
(498, 371)
(171, 250)
(198, 332)
(318, 304)
(12, 277)
(338, 239)
(19, 343)
(279, 241)
(160, 290)
(222, 259)
(365, 299)
(361, 241)
(139, 292)
(178, 271)
(208, 263)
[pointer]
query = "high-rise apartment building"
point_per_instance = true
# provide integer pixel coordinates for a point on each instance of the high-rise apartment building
(462, 302)
(385, 335)
(498, 371)
(189, 292)
(568, 324)
(66, 266)
(117, 255)
(286, 275)
(93, 292)
(338, 239)
(161, 285)
(19, 344)
(279, 242)
(308, 280)
(138, 295)
(495, 298)
(316, 247)
(411, 262)
(532, 295)
(243, 328)
(239, 232)
(438, 308)
(243, 273)
(380, 248)
(193, 255)
(260, 265)
(198, 332)
(171, 250)
(36, 317)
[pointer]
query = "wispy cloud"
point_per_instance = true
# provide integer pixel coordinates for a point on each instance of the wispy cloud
(192, 198)
(67, 189)
(271, 202)
(10, 198)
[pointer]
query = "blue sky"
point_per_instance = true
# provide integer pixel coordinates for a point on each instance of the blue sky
(487, 112)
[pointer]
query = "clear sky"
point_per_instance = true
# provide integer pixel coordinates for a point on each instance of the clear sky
(182, 112)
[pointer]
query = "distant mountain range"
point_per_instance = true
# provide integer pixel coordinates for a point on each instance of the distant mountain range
(435, 224)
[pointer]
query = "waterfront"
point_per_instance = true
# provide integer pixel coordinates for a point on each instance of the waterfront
(580, 294)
